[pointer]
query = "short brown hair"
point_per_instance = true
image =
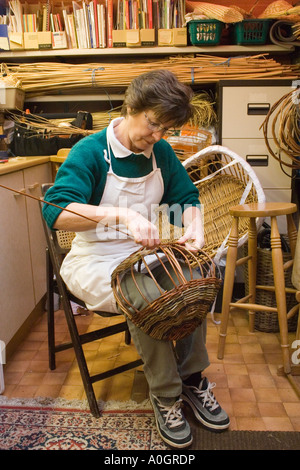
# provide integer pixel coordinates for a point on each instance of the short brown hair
(161, 92)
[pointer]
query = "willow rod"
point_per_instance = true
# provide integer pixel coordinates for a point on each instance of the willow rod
(59, 207)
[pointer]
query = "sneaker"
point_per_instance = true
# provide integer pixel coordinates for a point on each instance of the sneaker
(171, 424)
(205, 406)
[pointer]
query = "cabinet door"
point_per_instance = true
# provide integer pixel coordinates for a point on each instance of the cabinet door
(17, 297)
(33, 178)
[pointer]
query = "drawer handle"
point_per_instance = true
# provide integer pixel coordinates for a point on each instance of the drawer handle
(257, 160)
(33, 186)
(23, 190)
(258, 109)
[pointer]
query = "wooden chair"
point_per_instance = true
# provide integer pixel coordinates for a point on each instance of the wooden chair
(58, 244)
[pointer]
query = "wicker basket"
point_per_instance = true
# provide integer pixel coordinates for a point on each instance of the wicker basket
(179, 311)
(268, 321)
(205, 32)
(188, 141)
(252, 31)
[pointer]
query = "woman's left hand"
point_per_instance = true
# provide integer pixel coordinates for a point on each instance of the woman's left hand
(194, 233)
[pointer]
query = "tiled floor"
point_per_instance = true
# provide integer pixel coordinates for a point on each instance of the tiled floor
(248, 386)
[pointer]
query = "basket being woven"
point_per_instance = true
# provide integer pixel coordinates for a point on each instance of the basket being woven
(179, 311)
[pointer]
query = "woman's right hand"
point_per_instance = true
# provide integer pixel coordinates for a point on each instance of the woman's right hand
(143, 231)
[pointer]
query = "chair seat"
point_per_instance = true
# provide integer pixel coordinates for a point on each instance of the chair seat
(264, 209)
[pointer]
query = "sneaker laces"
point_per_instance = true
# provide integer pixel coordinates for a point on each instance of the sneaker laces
(172, 415)
(207, 397)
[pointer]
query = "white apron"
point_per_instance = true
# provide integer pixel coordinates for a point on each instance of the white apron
(95, 254)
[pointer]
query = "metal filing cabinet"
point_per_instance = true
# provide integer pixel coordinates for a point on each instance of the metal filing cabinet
(243, 106)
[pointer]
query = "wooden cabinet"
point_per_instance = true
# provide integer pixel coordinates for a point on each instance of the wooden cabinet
(22, 252)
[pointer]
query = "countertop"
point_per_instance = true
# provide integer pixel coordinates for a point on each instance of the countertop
(20, 163)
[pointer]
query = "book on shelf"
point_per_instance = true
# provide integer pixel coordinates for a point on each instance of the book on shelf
(92, 24)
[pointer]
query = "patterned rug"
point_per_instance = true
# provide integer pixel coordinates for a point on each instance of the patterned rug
(44, 428)
(127, 426)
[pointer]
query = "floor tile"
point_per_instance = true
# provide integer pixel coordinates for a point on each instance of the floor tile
(247, 382)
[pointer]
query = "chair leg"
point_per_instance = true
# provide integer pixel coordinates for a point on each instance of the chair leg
(228, 285)
(279, 283)
(81, 361)
(127, 336)
(50, 311)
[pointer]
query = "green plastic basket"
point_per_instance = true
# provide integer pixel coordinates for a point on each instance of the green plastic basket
(205, 32)
(251, 32)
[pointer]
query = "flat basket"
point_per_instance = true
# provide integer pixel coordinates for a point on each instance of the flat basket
(179, 311)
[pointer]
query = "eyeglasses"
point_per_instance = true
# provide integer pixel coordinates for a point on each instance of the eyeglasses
(153, 126)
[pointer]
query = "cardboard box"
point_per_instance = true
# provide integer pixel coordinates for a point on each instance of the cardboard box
(179, 37)
(59, 40)
(119, 37)
(11, 98)
(45, 40)
(133, 38)
(147, 37)
(165, 37)
(16, 41)
(31, 41)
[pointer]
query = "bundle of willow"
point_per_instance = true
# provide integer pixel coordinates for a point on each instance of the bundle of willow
(56, 78)
(40, 125)
(286, 132)
(102, 119)
(204, 115)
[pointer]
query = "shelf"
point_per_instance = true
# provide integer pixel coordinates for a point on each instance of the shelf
(76, 98)
(126, 51)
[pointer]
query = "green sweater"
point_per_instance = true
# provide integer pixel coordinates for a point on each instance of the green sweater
(82, 177)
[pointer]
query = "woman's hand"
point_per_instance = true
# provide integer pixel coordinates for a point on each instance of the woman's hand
(194, 233)
(143, 231)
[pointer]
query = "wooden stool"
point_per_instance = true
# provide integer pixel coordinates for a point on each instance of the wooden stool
(252, 211)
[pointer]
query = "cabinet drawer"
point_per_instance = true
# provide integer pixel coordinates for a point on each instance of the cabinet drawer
(266, 167)
(244, 109)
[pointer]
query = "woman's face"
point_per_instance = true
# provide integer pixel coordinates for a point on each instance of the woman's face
(142, 130)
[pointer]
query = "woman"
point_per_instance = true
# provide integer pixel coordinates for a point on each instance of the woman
(118, 177)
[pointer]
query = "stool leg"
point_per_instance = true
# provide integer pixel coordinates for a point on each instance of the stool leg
(292, 233)
(279, 283)
(252, 268)
(228, 284)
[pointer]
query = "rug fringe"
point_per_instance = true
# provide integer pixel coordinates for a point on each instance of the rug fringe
(45, 402)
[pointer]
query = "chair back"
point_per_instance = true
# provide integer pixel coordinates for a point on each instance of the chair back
(223, 179)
